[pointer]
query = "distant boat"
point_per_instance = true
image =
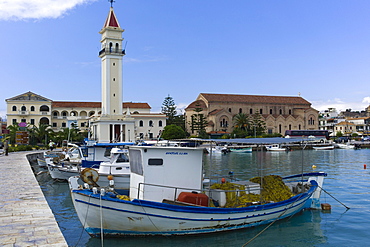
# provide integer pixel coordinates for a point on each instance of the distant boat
(331, 147)
(345, 146)
(275, 147)
(241, 150)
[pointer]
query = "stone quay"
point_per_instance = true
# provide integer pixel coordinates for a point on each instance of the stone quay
(25, 216)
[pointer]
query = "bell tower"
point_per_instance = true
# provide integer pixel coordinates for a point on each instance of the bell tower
(111, 125)
(111, 55)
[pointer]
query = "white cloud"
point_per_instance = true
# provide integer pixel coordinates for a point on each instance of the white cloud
(366, 100)
(340, 105)
(36, 9)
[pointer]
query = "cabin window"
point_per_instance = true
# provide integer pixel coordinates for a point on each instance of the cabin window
(155, 162)
(135, 162)
(122, 158)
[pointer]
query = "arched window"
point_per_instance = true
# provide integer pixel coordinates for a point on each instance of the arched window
(117, 47)
(280, 111)
(23, 108)
(290, 112)
(270, 111)
(44, 108)
(110, 47)
(32, 108)
(229, 109)
(251, 111)
(14, 108)
(160, 123)
(141, 123)
(240, 110)
(150, 123)
(261, 111)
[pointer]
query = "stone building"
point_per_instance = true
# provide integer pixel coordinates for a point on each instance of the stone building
(35, 109)
(280, 113)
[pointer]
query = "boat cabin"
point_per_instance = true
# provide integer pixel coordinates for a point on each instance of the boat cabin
(162, 173)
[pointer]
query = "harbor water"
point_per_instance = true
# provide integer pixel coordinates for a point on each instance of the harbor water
(347, 183)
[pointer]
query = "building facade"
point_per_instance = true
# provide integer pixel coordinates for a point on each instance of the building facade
(35, 109)
(280, 113)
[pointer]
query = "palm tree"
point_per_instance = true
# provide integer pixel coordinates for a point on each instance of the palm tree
(241, 121)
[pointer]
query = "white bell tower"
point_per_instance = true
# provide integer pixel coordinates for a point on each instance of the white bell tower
(111, 54)
(112, 125)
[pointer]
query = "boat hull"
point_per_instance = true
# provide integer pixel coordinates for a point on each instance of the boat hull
(141, 218)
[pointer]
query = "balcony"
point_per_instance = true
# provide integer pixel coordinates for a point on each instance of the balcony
(107, 51)
(24, 112)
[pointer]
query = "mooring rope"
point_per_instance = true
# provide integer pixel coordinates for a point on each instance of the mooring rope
(333, 197)
(268, 226)
(101, 223)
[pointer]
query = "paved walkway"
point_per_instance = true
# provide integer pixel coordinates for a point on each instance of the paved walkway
(25, 216)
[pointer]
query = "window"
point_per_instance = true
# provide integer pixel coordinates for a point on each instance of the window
(290, 112)
(83, 124)
(14, 121)
(33, 121)
(23, 108)
(64, 125)
(280, 111)
(141, 123)
(44, 108)
(150, 123)
(260, 111)
(240, 110)
(14, 108)
(32, 108)
(270, 111)
(160, 123)
(135, 162)
(155, 162)
(229, 109)
(251, 111)
(55, 125)
(23, 120)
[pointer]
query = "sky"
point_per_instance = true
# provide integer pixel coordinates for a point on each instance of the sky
(319, 50)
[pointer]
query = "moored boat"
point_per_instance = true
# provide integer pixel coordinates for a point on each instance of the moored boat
(241, 150)
(275, 147)
(166, 197)
(330, 147)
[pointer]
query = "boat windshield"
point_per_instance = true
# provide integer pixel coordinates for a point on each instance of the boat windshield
(122, 158)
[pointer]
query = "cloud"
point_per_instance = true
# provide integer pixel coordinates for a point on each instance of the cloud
(341, 105)
(36, 9)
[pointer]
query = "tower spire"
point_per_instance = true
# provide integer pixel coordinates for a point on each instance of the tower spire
(111, 3)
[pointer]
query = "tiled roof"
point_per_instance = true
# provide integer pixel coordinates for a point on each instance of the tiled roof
(236, 98)
(345, 123)
(76, 104)
(196, 104)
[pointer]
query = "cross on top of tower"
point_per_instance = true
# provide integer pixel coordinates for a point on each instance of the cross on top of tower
(111, 3)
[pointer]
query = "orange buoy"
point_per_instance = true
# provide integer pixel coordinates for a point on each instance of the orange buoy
(223, 180)
(110, 177)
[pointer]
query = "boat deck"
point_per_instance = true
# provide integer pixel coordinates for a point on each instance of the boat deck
(25, 216)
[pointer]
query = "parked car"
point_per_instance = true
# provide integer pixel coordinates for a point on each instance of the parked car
(366, 138)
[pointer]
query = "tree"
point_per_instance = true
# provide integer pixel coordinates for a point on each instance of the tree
(169, 108)
(12, 132)
(198, 122)
(173, 132)
(257, 125)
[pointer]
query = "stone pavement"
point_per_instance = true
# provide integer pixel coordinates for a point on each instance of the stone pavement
(25, 216)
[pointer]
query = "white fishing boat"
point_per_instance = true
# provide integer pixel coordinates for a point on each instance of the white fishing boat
(345, 146)
(63, 170)
(330, 147)
(166, 197)
(218, 149)
(275, 147)
(241, 150)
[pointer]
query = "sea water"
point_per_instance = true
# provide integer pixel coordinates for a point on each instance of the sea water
(347, 183)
